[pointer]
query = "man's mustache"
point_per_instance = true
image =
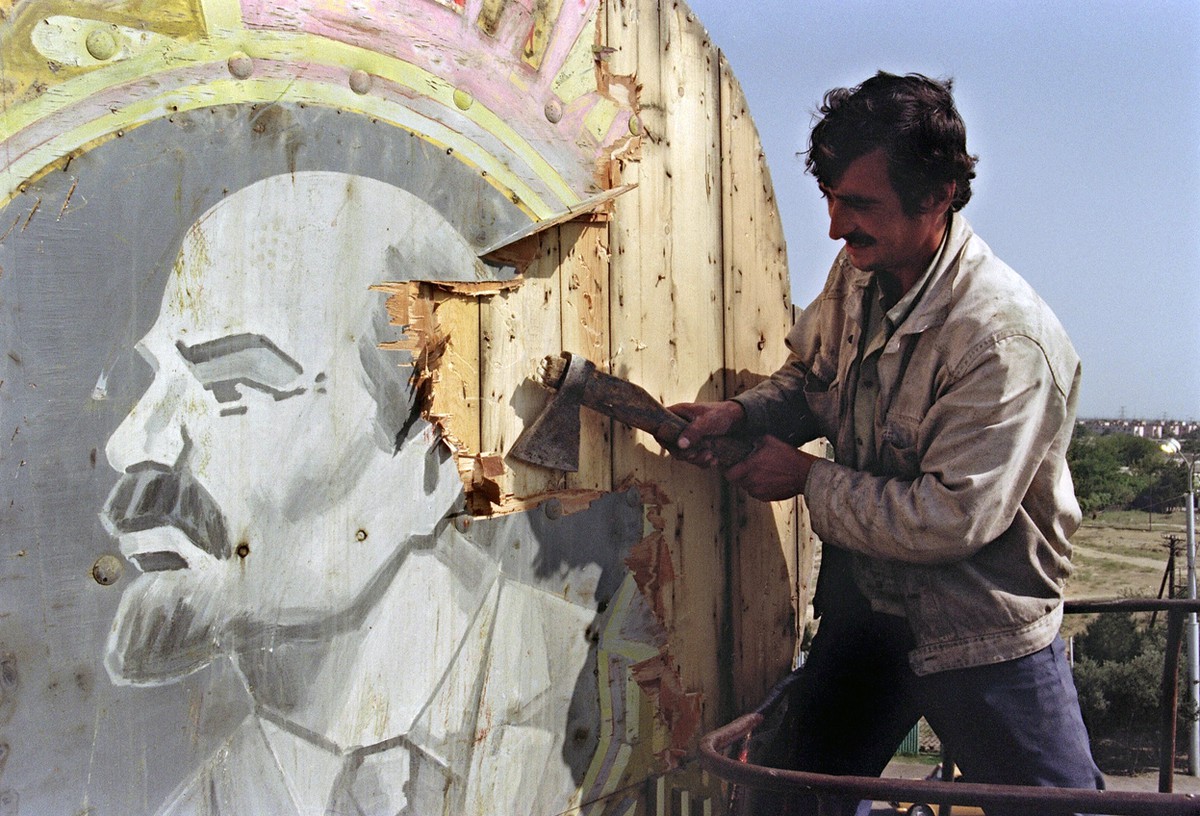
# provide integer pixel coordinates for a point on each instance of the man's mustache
(150, 495)
(859, 239)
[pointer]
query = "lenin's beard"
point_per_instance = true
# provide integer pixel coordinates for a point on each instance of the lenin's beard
(165, 629)
(167, 623)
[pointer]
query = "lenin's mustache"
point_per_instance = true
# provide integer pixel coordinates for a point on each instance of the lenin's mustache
(150, 495)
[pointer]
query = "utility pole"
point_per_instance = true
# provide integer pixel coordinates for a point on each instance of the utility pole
(1173, 448)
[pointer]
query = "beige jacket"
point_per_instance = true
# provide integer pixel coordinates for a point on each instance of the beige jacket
(967, 515)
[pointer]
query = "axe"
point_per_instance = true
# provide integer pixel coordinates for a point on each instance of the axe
(552, 440)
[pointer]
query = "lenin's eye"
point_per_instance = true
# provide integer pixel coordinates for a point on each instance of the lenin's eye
(229, 365)
(231, 391)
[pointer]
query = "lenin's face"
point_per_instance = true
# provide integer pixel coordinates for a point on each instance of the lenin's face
(260, 492)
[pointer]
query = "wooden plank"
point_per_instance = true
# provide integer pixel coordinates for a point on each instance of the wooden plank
(667, 316)
(585, 330)
(455, 399)
(517, 329)
(767, 603)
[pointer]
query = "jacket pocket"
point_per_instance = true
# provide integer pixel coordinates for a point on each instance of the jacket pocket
(824, 401)
(898, 454)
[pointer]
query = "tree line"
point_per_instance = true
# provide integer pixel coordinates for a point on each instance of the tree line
(1125, 472)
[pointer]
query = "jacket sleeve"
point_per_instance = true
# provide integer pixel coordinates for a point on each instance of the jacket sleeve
(995, 429)
(778, 406)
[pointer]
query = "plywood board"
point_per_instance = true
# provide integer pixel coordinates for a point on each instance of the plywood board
(585, 292)
(765, 549)
(313, 160)
(667, 309)
(456, 397)
(517, 329)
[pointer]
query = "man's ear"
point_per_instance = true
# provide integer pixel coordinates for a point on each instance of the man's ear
(939, 199)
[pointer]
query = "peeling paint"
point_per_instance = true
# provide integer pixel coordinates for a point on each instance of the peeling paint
(545, 13)
(678, 710)
(413, 307)
(485, 492)
(489, 16)
(651, 566)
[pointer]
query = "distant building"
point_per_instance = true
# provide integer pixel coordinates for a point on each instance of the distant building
(1147, 429)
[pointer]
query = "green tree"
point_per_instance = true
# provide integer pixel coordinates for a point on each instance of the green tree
(1133, 451)
(1122, 471)
(1167, 488)
(1101, 480)
(1118, 670)
(1111, 637)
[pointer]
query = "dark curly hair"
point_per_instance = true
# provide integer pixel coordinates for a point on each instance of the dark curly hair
(914, 120)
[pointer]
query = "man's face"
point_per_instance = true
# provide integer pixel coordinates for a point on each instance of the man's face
(253, 464)
(866, 213)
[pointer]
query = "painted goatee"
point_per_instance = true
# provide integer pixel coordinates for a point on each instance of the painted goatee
(164, 630)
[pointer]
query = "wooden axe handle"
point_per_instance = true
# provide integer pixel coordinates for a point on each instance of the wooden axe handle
(631, 405)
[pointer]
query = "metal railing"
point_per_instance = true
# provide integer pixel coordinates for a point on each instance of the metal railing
(834, 792)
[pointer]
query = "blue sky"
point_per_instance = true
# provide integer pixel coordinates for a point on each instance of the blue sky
(1086, 118)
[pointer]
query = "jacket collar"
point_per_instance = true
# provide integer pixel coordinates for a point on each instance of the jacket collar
(931, 310)
(941, 285)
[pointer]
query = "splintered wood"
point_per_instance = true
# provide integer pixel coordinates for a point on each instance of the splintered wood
(421, 338)
(475, 348)
(436, 322)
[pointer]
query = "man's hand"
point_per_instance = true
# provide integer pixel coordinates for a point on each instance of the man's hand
(705, 419)
(774, 472)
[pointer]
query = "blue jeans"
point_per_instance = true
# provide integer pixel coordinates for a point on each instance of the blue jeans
(1014, 723)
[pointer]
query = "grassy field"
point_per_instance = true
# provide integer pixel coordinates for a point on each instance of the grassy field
(1123, 554)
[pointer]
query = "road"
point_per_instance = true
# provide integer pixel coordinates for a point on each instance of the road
(1131, 560)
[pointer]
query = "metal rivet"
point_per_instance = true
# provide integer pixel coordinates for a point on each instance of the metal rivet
(361, 535)
(107, 570)
(462, 523)
(635, 125)
(553, 509)
(360, 81)
(243, 550)
(463, 100)
(633, 497)
(101, 44)
(554, 111)
(241, 66)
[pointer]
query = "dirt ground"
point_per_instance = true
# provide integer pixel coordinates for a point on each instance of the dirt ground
(1118, 555)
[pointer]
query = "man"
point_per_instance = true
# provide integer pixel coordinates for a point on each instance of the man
(289, 508)
(948, 389)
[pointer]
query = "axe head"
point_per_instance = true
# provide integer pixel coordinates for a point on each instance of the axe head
(552, 440)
